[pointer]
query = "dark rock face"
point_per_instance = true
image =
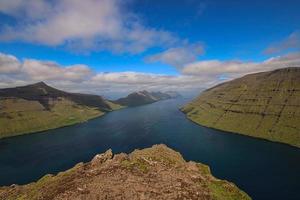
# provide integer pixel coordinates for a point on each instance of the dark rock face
(264, 105)
(144, 97)
(154, 173)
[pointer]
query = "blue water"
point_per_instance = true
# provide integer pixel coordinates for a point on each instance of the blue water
(263, 169)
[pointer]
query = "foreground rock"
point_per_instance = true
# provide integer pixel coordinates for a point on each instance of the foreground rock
(154, 173)
(264, 105)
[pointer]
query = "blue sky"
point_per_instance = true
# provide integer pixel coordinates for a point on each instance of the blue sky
(150, 36)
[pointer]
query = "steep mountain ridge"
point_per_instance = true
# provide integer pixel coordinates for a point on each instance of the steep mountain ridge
(264, 105)
(43, 93)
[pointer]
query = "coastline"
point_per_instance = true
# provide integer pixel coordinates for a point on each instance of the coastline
(237, 133)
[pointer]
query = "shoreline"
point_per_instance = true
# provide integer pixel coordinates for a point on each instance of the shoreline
(240, 134)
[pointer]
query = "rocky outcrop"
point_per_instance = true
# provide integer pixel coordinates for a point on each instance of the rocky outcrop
(264, 105)
(153, 173)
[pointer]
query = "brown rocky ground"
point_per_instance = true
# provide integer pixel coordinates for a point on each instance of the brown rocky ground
(153, 173)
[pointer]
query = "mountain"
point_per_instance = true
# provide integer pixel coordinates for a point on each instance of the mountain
(173, 94)
(43, 93)
(153, 173)
(144, 97)
(263, 105)
(39, 107)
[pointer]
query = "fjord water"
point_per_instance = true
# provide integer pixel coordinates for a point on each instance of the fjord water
(263, 169)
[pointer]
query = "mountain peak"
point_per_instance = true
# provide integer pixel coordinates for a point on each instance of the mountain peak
(41, 83)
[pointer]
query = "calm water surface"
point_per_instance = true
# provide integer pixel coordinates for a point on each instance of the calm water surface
(263, 169)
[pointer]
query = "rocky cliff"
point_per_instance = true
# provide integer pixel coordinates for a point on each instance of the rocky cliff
(153, 173)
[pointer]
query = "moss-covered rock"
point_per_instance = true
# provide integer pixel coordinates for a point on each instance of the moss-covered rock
(153, 173)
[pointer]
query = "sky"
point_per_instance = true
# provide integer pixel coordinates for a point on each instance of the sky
(114, 47)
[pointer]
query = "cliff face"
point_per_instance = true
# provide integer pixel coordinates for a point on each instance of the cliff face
(154, 173)
(264, 105)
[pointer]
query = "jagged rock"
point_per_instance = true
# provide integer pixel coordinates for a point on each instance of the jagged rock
(153, 173)
(101, 158)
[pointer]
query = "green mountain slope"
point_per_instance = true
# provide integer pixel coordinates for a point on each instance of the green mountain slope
(264, 105)
(153, 173)
(39, 107)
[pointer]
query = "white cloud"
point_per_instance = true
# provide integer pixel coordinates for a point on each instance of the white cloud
(81, 25)
(291, 42)
(126, 82)
(178, 56)
(41, 70)
(237, 68)
(9, 64)
(31, 9)
(80, 78)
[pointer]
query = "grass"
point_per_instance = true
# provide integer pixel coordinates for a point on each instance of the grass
(19, 116)
(223, 190)
(264, 105)
(53, 184)
(115, 106)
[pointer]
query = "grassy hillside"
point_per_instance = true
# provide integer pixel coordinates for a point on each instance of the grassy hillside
(153, 173)
(39, 107)
(264, 105)
(20, 116)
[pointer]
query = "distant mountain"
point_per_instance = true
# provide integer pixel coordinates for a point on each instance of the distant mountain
(40, 107)
(264, 105)
(144, 97)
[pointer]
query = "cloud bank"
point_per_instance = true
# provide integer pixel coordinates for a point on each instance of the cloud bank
(178, 56)
(194, 77)
(238, 68)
